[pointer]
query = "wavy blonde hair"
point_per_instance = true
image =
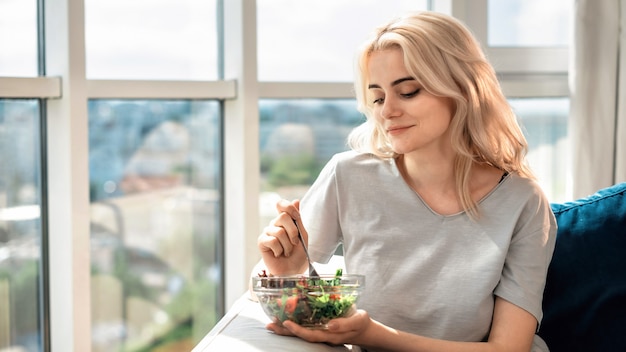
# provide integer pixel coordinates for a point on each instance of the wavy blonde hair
(443, 56)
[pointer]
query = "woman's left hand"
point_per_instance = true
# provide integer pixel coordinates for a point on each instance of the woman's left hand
(512, 330)
(346, 330)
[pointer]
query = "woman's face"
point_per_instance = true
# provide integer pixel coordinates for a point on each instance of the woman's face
(412, 119)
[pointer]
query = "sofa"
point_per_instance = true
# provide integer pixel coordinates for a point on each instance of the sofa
(585, 296)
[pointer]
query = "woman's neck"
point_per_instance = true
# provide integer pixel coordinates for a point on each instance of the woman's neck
(432, 173)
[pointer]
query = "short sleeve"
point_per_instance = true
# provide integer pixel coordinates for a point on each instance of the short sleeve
(319, 211)
(528, 257)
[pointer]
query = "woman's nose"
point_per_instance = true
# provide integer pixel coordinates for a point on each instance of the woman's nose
(390, 108)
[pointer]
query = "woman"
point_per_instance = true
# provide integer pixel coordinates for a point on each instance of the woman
(434, 204)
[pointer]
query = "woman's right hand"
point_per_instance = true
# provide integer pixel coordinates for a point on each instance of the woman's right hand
(279, 244)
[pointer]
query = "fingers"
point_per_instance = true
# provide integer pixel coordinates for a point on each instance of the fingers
(278, 329)
(340, 330)
(288, 212)
(279, 242)
(292, 208)
(355, 321)
(312, 335)
(281, 236)
(276, 240)
(304, 333)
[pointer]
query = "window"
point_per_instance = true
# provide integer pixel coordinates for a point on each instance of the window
(535, 23)
(22, 241)
(544, 122)
(155, 185)
(155, 175)
(151, 217)
(527, 43)
(18, 57)
(297, 139)
(174, 40)
(316, 40)
(20, 226)
(102, 126)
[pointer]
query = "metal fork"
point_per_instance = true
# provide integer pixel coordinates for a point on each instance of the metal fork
(312, 271)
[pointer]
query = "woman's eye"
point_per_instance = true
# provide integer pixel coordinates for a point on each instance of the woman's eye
(378, 101)
(412, 94)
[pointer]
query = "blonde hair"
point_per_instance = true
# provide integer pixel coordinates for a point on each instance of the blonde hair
(443, 56)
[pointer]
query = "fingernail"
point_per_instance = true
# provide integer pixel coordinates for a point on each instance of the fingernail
(332, 325)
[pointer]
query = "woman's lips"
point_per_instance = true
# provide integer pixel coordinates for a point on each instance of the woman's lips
(397, 129)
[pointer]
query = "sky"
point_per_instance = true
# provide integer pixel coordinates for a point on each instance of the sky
(306, 40)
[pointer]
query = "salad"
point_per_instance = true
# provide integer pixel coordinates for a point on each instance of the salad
(308, 301)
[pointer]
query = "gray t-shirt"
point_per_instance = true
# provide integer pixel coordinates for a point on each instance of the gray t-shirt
(430, 274)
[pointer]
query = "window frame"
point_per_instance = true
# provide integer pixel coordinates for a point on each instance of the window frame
(523, 71)
(66, 91)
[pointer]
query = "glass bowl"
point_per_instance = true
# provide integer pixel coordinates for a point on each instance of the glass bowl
(308, 301)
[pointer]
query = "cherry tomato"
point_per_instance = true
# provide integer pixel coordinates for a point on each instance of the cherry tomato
(291, 304)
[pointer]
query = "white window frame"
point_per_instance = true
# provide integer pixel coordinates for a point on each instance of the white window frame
(524, 72)
(67, 91)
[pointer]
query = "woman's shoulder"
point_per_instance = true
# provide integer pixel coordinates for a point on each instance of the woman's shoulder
(354, 158)
(351, 156)
(524, 191)
(522, 185)
(352, 163)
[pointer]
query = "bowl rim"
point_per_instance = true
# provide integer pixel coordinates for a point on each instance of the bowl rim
(301, 276)
(357, 281)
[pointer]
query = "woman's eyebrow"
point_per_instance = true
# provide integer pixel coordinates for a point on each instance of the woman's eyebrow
(398, 81)
(394, 83)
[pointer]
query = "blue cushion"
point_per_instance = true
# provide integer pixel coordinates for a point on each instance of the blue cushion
(585, 296)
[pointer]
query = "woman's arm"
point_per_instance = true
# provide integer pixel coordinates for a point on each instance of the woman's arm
(512, 330)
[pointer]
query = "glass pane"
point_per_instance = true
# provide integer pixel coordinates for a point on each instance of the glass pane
(545, 124)
(20, 226)
(297, 139)
(18, 38)
(156, 230)
(144, 39)
(528, 23)
(316, 40)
